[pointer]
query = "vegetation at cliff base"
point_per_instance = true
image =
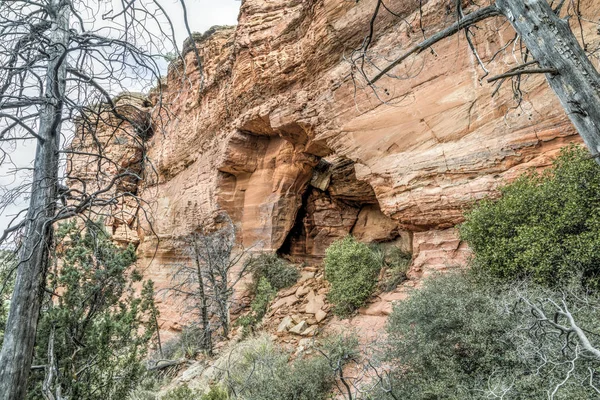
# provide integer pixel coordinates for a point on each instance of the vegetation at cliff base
(184, 392)
(94, 329)
(396, 264)
(351, 267)
(263, 294)
(460, 337)
(260, 370)
(278, 273)
(545, 226)
(270, 274)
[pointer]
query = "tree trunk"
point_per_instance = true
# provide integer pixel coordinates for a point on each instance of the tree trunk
(553, 44)
(224, 297)
(206, 331)
(19, 338)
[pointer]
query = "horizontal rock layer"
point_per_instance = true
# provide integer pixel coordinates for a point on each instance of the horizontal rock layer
(280, 137)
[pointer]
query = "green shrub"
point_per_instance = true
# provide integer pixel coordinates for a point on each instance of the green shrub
(278, 272)
(258, 370)
(186, 344)
(396, 264)
(340, 349)
(182, 392)
(263, 295)
(100, 326)
(270, 274)
(215, 393)
(148, 387)
(306, 379)
(351, 268)
(545, 226)
(461, 338)
(449, 338)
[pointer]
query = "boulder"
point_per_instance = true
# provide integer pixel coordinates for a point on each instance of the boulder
(299, 328)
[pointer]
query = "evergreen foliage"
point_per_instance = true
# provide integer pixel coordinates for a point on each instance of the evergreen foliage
(270, 274)
(396, 264)
(186, 344)
(8, 263)
(546, 226)
(462, 338)
(259, 370)
(94, 329)
(215, 393)
(182, 392)
(450, 338)
(263, 295)
(351, 267)
(278, 273)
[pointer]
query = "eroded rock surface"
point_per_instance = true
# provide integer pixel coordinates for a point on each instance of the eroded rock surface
(278, 136)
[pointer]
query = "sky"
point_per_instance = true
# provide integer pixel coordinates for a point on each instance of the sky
(202, 14)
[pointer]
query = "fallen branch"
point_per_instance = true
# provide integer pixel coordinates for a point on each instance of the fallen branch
(167, 364)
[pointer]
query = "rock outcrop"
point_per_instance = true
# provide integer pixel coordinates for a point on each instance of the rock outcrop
(277, 134)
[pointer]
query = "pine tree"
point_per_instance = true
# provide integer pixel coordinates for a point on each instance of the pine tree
(94, 328)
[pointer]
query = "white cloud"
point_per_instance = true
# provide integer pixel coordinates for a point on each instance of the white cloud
(202, 14)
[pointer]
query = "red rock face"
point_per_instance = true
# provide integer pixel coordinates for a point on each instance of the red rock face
(117, 171)
(280, 137)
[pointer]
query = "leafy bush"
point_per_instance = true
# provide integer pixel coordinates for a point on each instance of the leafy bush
(449, 337)
(258, 370)
(215, 393)
(99, 327)
(147, 388)
(262, 297)
(545, 226)
(182, 392)
(351, 267)
(264, 294)
(340, 349)
(270, 274)
(185, 345)
(395, 264)
(460, 338)
(277, 272)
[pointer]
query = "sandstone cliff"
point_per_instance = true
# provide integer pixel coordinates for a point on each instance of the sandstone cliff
(278, 135)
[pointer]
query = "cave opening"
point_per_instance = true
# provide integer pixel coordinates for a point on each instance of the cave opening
(335, 204)
(292, 244)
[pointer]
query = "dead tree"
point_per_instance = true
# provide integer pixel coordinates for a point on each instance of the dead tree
(188, 283)
(558, 339)
(207, 284)
(359, 373)
(61, 64)
(544, 39)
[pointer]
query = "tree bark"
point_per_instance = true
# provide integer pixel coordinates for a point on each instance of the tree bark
(205, 318)
(552, 43)
(19, 338)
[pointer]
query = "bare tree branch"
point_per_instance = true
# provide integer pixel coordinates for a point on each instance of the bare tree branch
(468, 20)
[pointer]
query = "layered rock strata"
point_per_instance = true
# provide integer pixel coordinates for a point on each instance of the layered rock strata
(278, 134)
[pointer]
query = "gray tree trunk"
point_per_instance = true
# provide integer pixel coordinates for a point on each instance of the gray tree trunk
(205, 318)
(19, 338)
(553, 44)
